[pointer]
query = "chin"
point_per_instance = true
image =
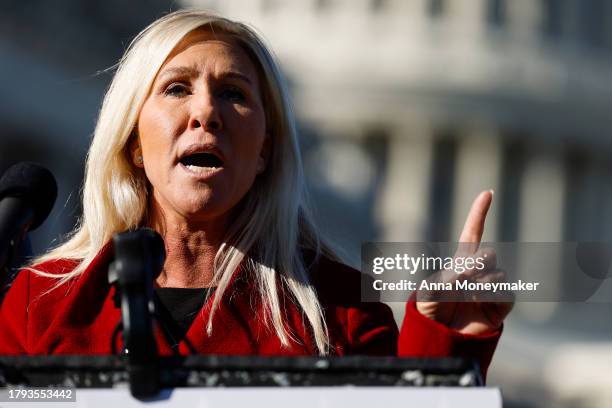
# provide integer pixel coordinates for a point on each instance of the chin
(206, 208)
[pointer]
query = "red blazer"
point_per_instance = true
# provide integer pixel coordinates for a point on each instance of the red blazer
(80, 317)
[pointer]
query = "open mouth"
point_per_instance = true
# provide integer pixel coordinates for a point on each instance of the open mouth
(201, 161)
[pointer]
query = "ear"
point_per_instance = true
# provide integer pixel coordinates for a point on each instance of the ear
(264, 154)
(136, 151)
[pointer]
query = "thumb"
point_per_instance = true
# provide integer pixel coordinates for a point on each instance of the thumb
(474, 224)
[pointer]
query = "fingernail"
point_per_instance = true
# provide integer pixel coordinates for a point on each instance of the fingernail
(492, 191)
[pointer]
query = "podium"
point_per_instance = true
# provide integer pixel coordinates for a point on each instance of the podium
(228, 381)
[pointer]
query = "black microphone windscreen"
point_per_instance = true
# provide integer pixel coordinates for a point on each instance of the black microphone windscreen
(35, 184)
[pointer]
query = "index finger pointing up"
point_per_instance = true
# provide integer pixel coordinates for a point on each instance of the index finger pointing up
(474, 224)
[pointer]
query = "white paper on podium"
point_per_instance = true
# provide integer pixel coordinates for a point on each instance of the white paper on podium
(290, 397)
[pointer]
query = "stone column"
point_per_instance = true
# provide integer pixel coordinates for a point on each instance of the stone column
(524, 18)
(542, 198)
(478, 166)
(402, 209)
(541, 220)
(467, 17)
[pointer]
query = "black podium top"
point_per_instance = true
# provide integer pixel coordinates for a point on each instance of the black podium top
(212, 371)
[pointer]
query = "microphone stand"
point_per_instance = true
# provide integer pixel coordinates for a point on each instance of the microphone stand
(18, 253)
(14, 251)
(139, 257)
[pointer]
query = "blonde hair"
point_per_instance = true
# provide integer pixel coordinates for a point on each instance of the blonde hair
(274, 225)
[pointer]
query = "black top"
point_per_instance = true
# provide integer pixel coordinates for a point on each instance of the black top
(177, 308)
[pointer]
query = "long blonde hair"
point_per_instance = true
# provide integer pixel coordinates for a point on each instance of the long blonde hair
(274, 223)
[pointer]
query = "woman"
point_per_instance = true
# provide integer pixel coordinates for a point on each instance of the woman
(196, 139)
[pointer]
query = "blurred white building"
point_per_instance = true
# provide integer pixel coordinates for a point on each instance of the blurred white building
(418, 105)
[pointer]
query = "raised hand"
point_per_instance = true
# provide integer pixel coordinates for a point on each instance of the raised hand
(473, 315)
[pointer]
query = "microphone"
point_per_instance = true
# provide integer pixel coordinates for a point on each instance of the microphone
(139, 258)
(27, 194)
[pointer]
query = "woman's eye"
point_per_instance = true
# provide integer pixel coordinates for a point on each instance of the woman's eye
(176, 89)
(233, 94)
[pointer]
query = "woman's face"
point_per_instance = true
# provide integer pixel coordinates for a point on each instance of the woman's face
(202, 129)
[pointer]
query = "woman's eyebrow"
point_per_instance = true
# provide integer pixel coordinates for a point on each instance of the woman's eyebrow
(178, 71)
(192, 72)
(235, 75)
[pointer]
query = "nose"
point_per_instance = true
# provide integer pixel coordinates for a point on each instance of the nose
(205, 113)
